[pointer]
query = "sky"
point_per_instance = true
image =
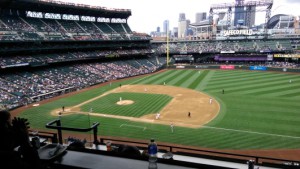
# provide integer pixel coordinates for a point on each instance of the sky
(147, 15)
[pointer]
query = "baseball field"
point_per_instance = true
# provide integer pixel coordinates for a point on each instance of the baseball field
(258, 110)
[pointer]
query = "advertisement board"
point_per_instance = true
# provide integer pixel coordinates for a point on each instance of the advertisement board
(228, 67)
(269, 57)
(201, 67)
(180, 67)
(258, 68)
(286, 55)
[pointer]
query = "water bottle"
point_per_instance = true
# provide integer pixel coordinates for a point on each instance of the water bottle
(152, 151)
(250, 164)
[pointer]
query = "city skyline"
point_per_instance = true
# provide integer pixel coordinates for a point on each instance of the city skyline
(148, 15)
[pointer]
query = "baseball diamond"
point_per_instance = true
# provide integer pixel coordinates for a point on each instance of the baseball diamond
(252, 114)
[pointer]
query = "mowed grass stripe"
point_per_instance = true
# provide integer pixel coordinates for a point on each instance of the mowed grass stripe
(181, 80)
(153, 107)
(190, 80)
(248, 115)
(263, 86)
(150, 107)
(289, 92)
(226, 73)
(179, 77)
(294, 94)
(107, 104)
(235, 83)
(262, 102)
(205, 80)
(177, 74)
(245, 75)
(153, 78)
(258, 75)
(240, 79)
(273, 91)
(242, 84)
(162, 79)
(270, 118)
(252, 86)
(197, 81)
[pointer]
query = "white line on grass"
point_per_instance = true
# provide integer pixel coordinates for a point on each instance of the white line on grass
(144, 128)
(252, 132)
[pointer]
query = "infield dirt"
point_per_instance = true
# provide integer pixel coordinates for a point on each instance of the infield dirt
(176, 111)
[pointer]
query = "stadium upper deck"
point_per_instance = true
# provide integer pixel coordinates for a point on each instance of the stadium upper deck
(54, 37)
(46, 20)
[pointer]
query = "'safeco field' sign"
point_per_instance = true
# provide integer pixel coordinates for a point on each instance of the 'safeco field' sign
(238, 32)
(230, 67)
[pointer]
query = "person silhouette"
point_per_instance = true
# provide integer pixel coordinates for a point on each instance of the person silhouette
(16, 150)
(172, 127)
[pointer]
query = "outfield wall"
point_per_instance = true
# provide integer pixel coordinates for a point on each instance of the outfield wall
(235, 67)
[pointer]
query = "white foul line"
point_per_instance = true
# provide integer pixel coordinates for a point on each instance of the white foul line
(144, 128)
(252, 132)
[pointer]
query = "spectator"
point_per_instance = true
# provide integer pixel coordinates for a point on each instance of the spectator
(128, 150)
(15, 134)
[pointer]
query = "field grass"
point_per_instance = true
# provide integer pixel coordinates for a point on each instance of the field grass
(144, 104)
(259, 110)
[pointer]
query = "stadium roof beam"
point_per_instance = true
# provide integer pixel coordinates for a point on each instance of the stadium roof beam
(267, 18)
(246, 4)
(49, 6)
(229, 17)
(250, 8)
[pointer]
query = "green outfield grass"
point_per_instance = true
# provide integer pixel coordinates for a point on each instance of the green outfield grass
(259, 110)
(143, 104)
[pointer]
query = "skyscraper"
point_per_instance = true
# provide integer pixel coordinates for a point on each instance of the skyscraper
(181, 25)
(166, 26)
(182, 28)
(181, 17)
(200, 16)
(158, 29)
(175, 32)
(239, 13)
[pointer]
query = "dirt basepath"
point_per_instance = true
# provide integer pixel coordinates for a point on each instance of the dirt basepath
(176, 112)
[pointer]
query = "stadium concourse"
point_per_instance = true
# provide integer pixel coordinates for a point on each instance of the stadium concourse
(48, 52)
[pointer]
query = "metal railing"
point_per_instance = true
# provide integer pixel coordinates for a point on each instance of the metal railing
(56, 124)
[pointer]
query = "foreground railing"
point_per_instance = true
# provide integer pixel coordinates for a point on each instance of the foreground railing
(177, 149)
(56, 124)
(210, 154)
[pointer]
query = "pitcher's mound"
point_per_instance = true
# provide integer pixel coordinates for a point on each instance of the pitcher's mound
(125, 102)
